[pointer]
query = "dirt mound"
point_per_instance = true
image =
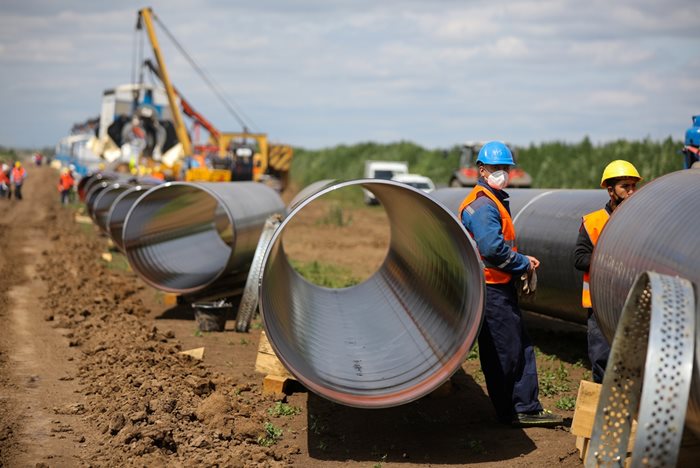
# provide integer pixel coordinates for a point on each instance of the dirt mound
(90, 363)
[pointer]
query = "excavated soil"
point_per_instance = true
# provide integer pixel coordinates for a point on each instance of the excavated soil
(91, 375)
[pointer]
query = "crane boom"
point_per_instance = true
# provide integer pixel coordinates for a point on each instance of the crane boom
(145, 19)
(186, 106)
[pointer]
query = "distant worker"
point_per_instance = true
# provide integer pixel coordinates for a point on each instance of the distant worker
(506, 353)
(65, 185)
(691, 150)
(17, 177)
(620, 179)
(5, 189)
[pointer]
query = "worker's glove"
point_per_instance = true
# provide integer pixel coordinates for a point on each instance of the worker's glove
(527, 283)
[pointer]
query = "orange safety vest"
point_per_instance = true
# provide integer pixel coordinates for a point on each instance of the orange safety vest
(593, 223)
(66, 182)
(492, 274)
(18, 175)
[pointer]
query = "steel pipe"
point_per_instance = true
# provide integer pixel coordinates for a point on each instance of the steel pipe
(399, 334)
(103, 203)
(655, 230)
(85, 183)
(118, 211)
(546, 225)
(190, 237)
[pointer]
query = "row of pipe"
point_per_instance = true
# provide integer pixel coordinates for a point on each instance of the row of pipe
(404, 330)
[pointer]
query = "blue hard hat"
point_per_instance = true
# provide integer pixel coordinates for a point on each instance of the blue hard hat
(495, 153)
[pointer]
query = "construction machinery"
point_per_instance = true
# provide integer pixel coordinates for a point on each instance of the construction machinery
(468, 174)
(228, 156)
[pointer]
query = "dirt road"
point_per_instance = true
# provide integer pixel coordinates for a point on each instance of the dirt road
(90, 374)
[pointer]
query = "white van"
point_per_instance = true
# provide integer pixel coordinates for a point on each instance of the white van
(416, 180)
(382, 170)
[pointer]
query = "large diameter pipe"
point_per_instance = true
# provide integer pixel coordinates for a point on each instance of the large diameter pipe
(118, 211)
(657, 229)
(189, 237)
(103, 203)
(85, 183)
(546, 223)
(399, 334)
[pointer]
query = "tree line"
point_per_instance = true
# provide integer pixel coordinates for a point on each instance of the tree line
(551, 164)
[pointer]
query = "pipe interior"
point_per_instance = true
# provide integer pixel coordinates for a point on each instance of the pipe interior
(118, 211)
(178, 237)
(103, 203)
(397, 335)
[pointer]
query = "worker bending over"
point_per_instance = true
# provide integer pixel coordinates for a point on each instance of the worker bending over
(620, 179)
(506, 353)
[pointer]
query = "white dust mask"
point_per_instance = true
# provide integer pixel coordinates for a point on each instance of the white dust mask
(498, 180)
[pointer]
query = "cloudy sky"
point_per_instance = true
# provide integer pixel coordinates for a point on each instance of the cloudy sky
(317, 73)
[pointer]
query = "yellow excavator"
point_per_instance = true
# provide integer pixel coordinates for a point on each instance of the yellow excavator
(229, 155)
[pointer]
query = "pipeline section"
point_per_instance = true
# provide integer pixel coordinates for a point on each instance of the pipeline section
(189, 238)
(399, 334)
(103, 203)
(655, 230)
(546, 223)
(119, 209)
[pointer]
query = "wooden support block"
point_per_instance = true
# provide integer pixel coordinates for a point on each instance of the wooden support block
(584, 418)
(83, 219)
(586, 406)
(170, 299)
(267, 361)
(197, 353)
(274, 384)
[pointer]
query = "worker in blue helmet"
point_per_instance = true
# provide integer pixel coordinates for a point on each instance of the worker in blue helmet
(505, 350)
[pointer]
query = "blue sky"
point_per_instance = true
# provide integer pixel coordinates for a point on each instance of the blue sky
(317, 73)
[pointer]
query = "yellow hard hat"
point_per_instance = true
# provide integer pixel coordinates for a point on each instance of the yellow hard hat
(617, 169)
(18, 164)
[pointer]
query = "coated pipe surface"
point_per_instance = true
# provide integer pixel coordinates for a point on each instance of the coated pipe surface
(187, 237)
(658, 230)
(399, 334)
(546, 224)
(118, 211)
(85, 183)
(103, 203)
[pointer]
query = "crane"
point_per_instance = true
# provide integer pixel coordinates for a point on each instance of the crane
(270, 164)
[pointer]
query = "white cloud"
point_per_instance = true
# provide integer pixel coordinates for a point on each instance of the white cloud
(615, 98)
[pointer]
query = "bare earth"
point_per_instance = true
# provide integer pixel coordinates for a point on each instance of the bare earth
(90, 373)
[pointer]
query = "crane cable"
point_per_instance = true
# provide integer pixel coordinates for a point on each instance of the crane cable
(215, 89)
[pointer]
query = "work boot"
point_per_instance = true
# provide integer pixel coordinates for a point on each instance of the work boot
(542, 418)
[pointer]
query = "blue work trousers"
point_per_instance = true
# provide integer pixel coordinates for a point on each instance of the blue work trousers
(507, 355)
(598, 348)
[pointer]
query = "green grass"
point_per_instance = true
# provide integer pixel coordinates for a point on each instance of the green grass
(554, 381)
(271, 435)
(329, 276)
(119, 262)
(336, 216)
(283, 409)
(567, 403)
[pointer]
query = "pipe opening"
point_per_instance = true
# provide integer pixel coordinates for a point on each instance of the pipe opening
(103, 203)
(118, 211)
(341, 260)
(394, 337)
(178, 237)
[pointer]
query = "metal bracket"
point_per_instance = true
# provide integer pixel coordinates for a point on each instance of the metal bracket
(249, 300)
(648, 374)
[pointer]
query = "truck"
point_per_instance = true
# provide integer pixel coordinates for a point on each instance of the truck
(468, 174)
(382, 170)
